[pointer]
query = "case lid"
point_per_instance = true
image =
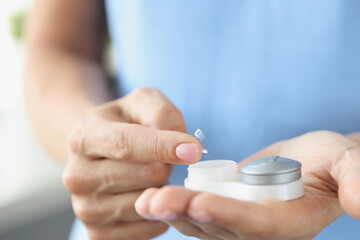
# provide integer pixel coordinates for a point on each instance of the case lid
(271, 170)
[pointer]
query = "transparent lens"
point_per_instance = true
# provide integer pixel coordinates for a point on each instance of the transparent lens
(202, 139)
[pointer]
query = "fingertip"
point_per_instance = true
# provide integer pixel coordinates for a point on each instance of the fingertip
(177, 148)
(188, 152)
(142, 203)
(169, 202)
(173, 198)
(198, 208)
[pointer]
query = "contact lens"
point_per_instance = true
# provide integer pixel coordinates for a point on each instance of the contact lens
(199, 135)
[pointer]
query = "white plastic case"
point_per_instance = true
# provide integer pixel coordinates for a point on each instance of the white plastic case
(267, 178)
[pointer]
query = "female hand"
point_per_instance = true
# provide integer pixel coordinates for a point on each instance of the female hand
(331, 177)
(117, 151)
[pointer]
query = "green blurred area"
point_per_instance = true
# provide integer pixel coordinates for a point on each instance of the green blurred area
(17, 25)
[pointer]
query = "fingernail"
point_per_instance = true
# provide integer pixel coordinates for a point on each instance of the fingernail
(200, 217)
(166, 216)
(187, 152)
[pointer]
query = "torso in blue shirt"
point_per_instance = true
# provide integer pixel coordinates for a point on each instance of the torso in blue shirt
(248, 73)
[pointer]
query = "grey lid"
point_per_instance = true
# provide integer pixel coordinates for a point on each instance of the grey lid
(271, 170)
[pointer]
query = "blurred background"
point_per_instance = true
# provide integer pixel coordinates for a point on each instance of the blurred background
(33, 202)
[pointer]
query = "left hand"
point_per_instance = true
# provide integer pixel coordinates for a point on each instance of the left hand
(331, 177)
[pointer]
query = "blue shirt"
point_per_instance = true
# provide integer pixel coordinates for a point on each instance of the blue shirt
(248, 73)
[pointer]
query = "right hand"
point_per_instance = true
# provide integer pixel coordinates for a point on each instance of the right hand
(117, 151)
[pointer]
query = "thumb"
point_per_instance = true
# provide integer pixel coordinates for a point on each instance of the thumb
(150, 107)
(349, 182)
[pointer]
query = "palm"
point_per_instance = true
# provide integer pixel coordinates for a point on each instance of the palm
(209, 216)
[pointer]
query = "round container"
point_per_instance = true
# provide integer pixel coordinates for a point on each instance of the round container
(267, 178)
(213, 171)
(271, 170)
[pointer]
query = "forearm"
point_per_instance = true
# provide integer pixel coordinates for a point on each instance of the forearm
(64, 75)
(59, 89)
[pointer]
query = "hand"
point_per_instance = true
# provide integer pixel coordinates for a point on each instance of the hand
(116, 152)
(331, 177)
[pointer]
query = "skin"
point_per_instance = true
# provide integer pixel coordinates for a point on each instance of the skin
(64, 68)
(114, 149)
(331, 177)
(117, 151)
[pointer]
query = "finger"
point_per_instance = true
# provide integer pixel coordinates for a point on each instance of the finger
(142, 203)
(83, 177)
(172, 203)
(347, 174)
(150, 107)
(165, 204)
(279, 219)
(268, 218)
(138, 143)
(134, 230)
(169, 204)
(232, 213)
(95, 210)
(302, 217)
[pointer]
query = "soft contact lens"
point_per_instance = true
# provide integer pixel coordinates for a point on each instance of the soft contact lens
(202, 139)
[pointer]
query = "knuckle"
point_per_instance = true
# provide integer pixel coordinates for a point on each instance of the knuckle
(75, 139)
(77, 182)
(73, 184)
(160, 149)
(118, 144)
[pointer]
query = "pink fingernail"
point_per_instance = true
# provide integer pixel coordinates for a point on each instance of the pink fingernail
(200, 217)
(187, 152)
